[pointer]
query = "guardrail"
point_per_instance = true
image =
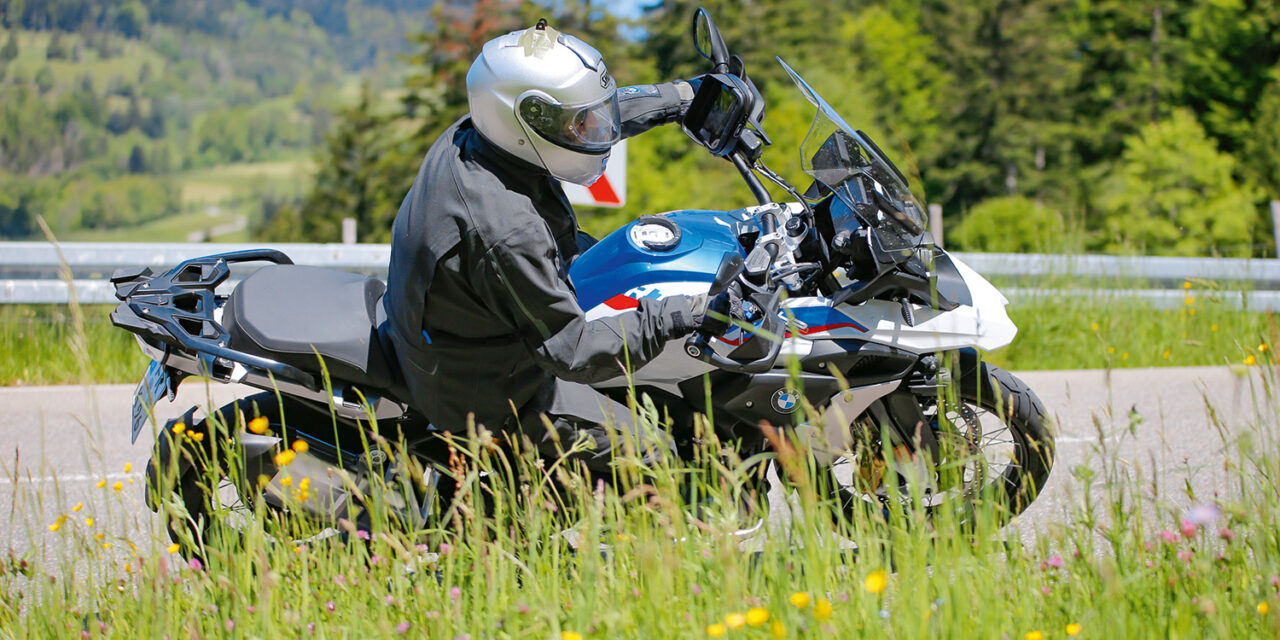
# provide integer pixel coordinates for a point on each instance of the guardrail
(30, 271)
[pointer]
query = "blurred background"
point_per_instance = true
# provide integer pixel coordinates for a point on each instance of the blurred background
(1118, 126)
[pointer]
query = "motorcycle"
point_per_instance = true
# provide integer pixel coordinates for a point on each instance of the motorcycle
(844, 297)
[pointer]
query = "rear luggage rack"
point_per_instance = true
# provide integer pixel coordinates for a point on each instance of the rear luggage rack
(175, 309)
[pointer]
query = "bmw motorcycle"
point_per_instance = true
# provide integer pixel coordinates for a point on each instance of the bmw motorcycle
(856, 335)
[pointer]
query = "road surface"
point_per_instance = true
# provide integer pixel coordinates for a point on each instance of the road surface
(58, 443)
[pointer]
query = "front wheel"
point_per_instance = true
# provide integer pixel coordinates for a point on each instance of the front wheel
(996, 453)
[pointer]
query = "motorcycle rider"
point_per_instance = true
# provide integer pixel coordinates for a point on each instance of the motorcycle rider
(479, 301)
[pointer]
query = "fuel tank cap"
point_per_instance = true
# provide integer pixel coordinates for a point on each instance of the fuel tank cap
(655, 233)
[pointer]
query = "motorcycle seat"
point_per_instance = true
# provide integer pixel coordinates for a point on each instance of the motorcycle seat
(289, 313)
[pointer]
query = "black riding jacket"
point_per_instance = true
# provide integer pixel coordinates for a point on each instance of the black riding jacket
(479, 300)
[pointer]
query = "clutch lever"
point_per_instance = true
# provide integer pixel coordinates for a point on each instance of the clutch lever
(698, 345)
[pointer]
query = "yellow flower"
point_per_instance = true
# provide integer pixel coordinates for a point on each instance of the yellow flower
(1213, 327)
(799, 599)
(1034, 635)
(118, 485)
(570, 635)
(1111, 349)
(173, 548)
(128, 568)
(99, 536)
(735, 620)
(1166, 354)
(1124, 356)
(287, 481)
(1250, 360)
(1094, 326)
(263, 481)
(757, 616)
(777, 630)
(196, 435)
(77, 508)
(55, 526)
(284, 458)
(717, 630)
(877, 581)
(1074, 629)
(1262, 348)
(128, 466)
(1189, 300)
(1263, 608)
(178, 428)
(822, 609)
(301, 446)
(88, 522)
(1186, 285)
(101, 484)
(1191, 312)
(106, 545)
(258, 425)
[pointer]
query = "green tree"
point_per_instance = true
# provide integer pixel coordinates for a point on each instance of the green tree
(44, 79)
(1173, 192)
(1261, 153)
(1009, 224)
(10, 49)
(58, 48)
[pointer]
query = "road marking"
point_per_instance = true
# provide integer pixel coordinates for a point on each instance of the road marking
(73, 478)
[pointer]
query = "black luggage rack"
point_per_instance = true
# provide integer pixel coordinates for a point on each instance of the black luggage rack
(175, 310)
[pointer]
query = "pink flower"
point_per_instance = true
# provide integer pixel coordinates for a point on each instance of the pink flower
(230, 624)
(1045, 589)
(635, 593)
(390, 599)
(362, 534)
(1189, 529)
(340, 580)
(1168, 536)
(523, 608)
(696, 590)
(455, 593)
(402, 627)
(445, 548)
(421, 548)
(195, 564)
(1275, 582)
(311, 628)
(1226, 534)
(1185, 555)
(330, 605)
(1056, 562)
(251, 609)
(375, 560)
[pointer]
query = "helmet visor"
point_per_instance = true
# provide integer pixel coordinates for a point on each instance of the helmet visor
(591, 128)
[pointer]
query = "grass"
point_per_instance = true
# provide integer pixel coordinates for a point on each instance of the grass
(32, 46)
(637, 564)
(35, 347)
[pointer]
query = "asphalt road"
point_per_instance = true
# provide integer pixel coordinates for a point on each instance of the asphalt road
(58, 443)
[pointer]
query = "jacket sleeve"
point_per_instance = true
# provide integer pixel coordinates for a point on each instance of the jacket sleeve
(522, 281)
(645, 106)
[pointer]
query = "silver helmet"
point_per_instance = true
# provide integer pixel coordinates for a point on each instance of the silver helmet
(546, 98)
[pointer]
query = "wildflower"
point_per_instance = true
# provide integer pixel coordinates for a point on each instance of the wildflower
(1093, 327)
(340, 580)
(263, 481)
(1186, 284)
(101, 483)
(1186, 555)
(1263, 608)
(799, 599)
(1124, 356)
(55, 526)
(1046, 589)
(455, 593)
(697, 590)
(195, 565)
(196, 435)
(178, 428)
(777, 630)
(258, 425)
(128, 466)
(1034, 635)
(362, 534)
(717, 630)
(311, 628)
(173, 548)
(523, 609)
(1166, 354)
(284, 458)
(445, 548)
(1111, 349)
(77, 508)
(1250, 360)
(1188, 529)
(330, 606)
(1191, 311)
(1189, 301)
(403, 628)
(1074, 629)
(1262, 348)
(876, 581)
(301, 446)
(1203, 514)
(735, 619)
(757, 616)
(1213, 327)
(1056, 562)
(1168, 536)
(389, 599)
(822, 609)
(230, 624)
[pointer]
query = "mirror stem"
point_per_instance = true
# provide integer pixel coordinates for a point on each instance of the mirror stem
(753, 181)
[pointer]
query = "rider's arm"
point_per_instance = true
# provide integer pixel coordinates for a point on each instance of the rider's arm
(522, 282)
(645, 106)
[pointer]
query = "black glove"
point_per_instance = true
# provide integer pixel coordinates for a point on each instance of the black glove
(721, 311)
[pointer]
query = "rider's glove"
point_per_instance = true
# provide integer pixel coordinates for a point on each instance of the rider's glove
(721, 311)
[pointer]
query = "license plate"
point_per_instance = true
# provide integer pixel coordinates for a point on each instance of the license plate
(154, 385)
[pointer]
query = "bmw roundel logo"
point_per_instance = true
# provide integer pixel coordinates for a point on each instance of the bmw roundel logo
(785, 401)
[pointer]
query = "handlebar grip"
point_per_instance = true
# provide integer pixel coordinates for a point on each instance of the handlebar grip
(698, 346)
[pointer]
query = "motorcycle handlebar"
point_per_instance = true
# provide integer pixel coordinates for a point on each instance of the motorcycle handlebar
(698, 346)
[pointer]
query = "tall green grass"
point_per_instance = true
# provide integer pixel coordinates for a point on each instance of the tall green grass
(35, 347)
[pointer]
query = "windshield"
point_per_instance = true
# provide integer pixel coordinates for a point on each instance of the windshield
(848, 163)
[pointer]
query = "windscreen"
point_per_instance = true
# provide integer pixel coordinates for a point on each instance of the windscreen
(846, 161)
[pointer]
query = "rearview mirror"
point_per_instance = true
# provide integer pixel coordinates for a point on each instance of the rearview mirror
(708, 41)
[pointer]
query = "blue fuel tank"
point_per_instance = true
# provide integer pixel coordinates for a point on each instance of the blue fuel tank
(619, 263)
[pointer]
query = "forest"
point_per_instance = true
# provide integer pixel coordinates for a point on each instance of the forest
(1148, 127)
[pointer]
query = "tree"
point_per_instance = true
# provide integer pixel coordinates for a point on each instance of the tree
(1172, 192)
(10, 49)
(1261, 153)
(132, 19)
(1009, 224)
(57, 49)
(44, 79)
(137, 160)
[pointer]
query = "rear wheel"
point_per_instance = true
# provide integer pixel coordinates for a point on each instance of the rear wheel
(995, 452)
